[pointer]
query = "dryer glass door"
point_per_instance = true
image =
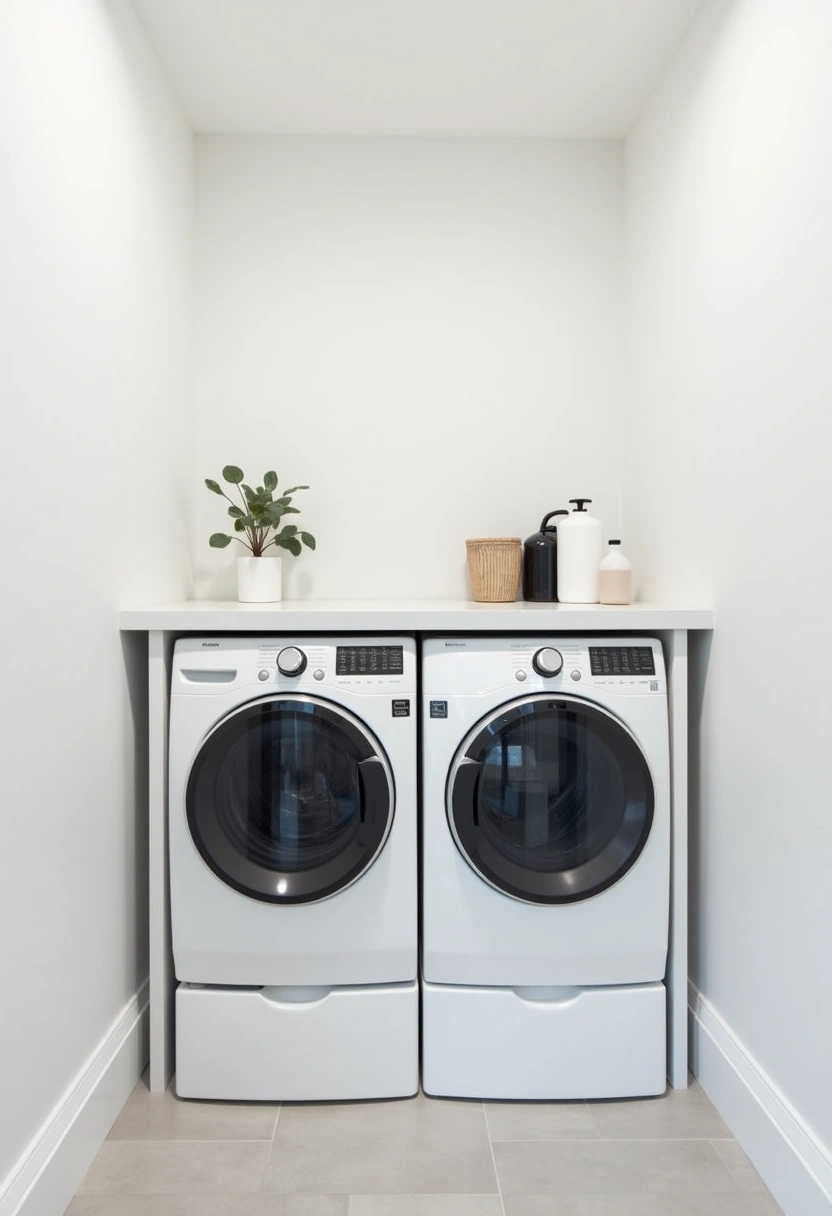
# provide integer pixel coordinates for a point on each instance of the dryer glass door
(550, 800)
(290, 799)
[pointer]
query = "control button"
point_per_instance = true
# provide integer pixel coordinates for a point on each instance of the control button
(520, 675)
(547, 662)
(576, 675)
(262, 675)
(291, 661)
(318, 675)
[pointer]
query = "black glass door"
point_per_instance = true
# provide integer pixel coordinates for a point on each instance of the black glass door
(550, 800)
(290, 799)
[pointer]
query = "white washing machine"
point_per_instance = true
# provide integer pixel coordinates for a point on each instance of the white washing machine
(546, 867)
(292, 833)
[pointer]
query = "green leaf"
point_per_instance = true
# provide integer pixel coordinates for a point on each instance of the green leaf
(270, 480)
(236, 512)
(249, 493)
(308, 539)
(292, 545)
(240, 525)
(291, 511)
(289, 530)
(294, 488)
(218, 540)
(233, 474)
(212, 485)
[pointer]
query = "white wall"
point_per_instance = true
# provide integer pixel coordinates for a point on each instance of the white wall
(728, 501)
(427, 332)
(95, 229)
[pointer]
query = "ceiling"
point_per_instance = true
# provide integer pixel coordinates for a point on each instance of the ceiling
(579, 69)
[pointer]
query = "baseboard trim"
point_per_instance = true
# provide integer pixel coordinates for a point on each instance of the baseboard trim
(51, 1167)
(793, 1163)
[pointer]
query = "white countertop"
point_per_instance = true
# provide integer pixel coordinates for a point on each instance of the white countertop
(386, 616)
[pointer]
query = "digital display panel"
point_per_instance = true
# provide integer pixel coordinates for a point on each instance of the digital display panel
(369, 660)
(622, 661)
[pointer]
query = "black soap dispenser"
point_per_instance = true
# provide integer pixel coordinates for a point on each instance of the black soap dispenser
(540, 562)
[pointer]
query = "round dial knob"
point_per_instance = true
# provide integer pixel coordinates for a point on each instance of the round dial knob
(548, 661)
(291, 661)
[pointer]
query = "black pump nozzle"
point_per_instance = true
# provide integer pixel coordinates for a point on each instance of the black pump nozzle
(580, 502)
(546, 518)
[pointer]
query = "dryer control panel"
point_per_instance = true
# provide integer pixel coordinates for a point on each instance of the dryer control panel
(622, 661)
(624, 665)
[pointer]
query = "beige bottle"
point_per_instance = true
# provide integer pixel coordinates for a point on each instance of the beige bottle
(615, 577)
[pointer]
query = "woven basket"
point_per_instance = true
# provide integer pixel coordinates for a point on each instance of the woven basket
(494, 567)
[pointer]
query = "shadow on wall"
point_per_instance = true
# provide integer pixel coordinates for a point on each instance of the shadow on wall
(134, 651)
(698, 661)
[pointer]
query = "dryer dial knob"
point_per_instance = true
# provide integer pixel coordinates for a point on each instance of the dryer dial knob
(548, 661)
(291, 661)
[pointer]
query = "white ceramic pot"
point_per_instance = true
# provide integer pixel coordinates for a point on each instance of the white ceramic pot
(259, 580)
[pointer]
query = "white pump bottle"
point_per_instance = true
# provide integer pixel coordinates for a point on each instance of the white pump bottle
(580, 549)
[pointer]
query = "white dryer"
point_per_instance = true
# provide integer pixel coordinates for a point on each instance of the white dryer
(292, 832)
(546, 867)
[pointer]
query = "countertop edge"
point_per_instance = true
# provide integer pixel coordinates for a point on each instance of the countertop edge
(409, 616)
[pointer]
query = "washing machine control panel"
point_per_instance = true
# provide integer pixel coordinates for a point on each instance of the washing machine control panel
(369, 660)
(365, 666)
(306, 663)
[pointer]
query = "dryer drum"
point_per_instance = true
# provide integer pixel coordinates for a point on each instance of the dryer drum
(550, 802)
(289, 800)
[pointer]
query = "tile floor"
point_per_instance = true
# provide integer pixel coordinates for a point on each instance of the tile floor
(669, 1156)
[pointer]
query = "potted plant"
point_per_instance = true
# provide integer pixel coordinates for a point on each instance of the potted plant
(258, 527)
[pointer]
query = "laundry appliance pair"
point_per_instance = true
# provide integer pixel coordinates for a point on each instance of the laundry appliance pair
(545, 867)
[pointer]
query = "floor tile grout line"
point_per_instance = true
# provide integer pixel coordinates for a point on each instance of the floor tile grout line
(270, 1154)
(601, 1139)
(610, 1140)
(595, 1122)
(747, 1164)
(264, 1169)
(493, 1159)
(194, 1140)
